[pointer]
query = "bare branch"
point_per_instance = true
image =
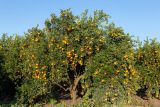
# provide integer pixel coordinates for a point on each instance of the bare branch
(62, 86)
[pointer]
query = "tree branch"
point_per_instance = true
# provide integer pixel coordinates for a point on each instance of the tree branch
(77, 81)
(62, 86)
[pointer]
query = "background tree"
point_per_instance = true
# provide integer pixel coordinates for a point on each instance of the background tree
(113, 69)
(147, 63)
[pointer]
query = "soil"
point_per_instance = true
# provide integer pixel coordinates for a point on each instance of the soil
(142, 102)
(67, 102)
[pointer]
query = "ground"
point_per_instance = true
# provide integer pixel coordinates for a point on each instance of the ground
(138, 102)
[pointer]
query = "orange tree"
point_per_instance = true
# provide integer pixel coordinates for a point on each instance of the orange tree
(12, 62)
(73, 41)
(114, 75)
(6, 85)
(11, 65)
(34, 56)
(1, 71)
(25, 64)
(148, 64)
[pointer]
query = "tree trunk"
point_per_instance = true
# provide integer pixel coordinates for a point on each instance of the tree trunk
(73, 91)
(73, 96)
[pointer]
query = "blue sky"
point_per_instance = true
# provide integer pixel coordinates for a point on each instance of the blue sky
(138, 17)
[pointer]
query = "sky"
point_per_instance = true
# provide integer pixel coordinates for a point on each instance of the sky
(140, 18)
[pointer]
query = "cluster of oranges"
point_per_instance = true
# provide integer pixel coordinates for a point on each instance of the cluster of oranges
(65, 41)
(89, 50)
(73, 58)
(152, 58)
(40, 73)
